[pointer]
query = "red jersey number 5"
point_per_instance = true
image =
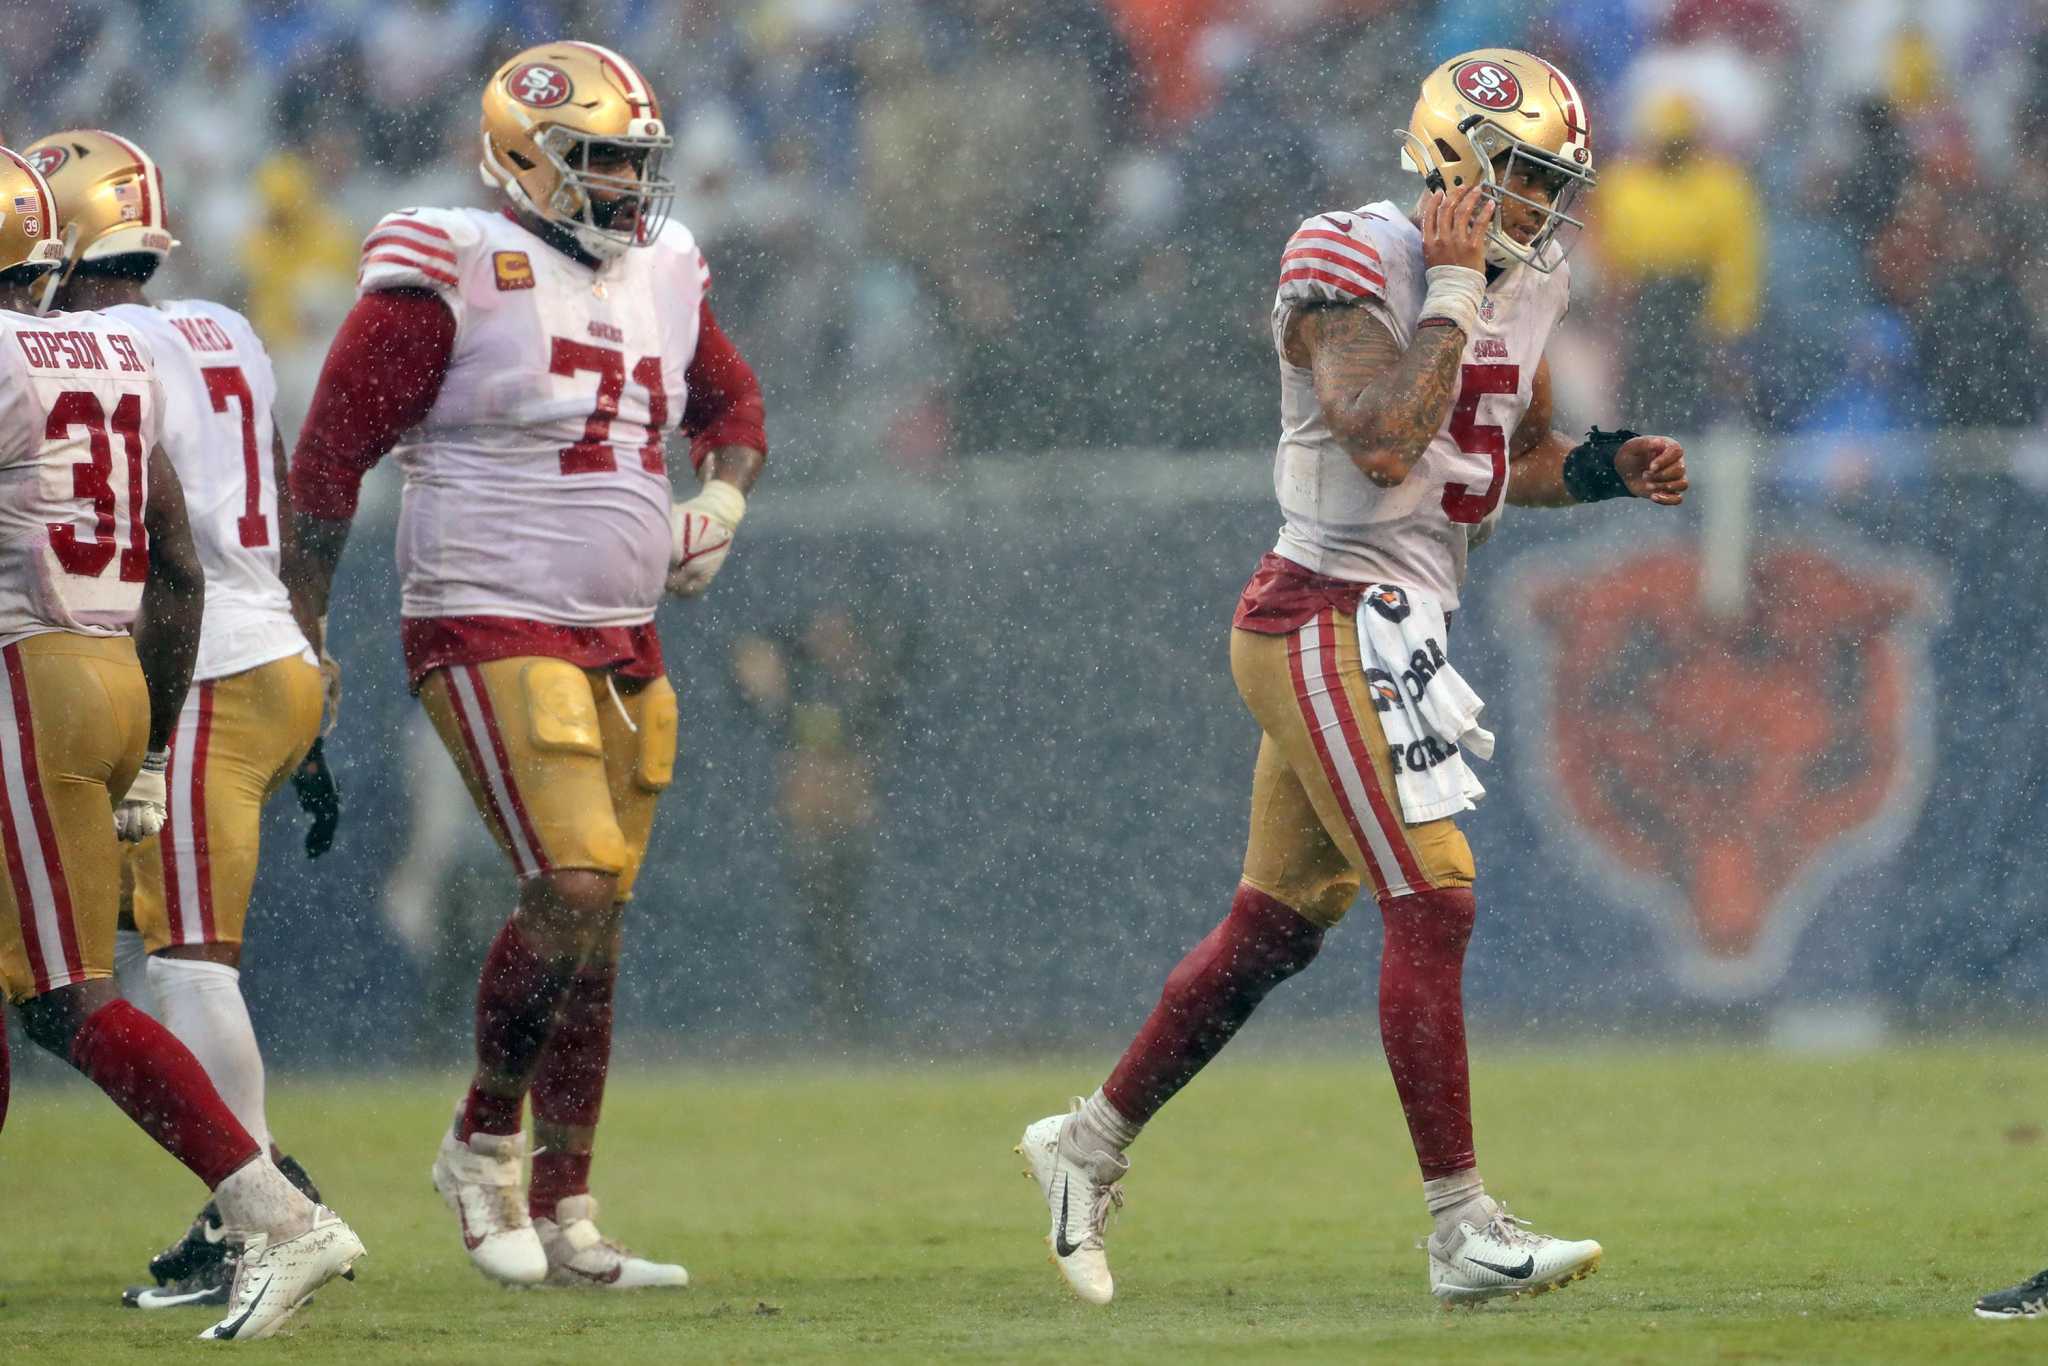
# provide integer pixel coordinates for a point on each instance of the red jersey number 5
(1479, 438)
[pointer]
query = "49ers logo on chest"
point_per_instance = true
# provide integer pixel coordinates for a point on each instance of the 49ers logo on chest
(540, 85)
(1721, 771)
(1488, 85)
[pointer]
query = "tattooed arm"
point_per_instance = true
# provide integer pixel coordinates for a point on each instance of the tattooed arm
(1383, 404)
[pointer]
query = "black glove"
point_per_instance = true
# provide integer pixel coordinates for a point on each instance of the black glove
(318, 798)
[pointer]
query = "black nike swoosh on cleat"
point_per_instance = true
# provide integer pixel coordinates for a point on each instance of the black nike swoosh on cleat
(1513, 1273)
(230, 1329)
(1059, 1242)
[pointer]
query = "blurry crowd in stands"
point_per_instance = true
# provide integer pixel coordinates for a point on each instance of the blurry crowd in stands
(948, 227)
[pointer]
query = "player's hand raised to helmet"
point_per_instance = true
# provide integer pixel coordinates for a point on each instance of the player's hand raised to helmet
(1454, 227)
(1653, 467)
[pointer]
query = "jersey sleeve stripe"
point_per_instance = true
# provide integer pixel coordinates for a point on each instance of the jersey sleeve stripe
(382, 237)
(393, 258)
(1323, 258)
(1351, 287)
(1364, 249)
(398, 221)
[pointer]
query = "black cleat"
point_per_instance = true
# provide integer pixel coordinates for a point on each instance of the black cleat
(203, 1248)
(2027, 1300)
(296, 1174)
(209, 1286)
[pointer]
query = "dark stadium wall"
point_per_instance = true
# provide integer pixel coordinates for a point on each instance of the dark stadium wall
(1064, 793)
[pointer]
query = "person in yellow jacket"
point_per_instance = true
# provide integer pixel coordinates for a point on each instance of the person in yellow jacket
(1681, 241)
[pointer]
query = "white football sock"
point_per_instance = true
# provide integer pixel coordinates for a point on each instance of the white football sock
(131, 970)
(1098, 1127)
(256, 1198)
(1461, 1196)
(202, 1004)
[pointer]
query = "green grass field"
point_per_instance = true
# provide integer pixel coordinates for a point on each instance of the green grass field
(1754, 1208)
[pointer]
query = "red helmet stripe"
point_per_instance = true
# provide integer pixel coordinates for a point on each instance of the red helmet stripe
(1573, 126)
(629, 76)
(152, 182)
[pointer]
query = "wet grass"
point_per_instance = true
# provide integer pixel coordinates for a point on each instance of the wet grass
(1755, 1208)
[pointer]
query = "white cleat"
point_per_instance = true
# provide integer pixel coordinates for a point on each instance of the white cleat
(1501, 1257)
(484, 1182)
(1080, 1203)
(579, 1255)
(273, 1281)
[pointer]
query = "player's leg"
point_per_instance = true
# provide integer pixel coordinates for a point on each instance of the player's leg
(72, 718)
(526, 737)
(238, 740)
(1422, 875)
(1296, 884)
(638, 726)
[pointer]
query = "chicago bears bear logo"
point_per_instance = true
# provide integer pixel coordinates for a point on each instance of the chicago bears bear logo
(1386, 693)
(46, 160)
(1389, 601)
(1488, 85)
(539, 85)
(1723, 774)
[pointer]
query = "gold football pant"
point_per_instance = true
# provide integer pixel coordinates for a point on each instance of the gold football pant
(237, 740)
(1326, 817)
(74, 722)
(564, 767)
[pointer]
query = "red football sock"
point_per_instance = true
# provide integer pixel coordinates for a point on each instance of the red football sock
(517, 996)
(145, 1070)
(1422, 1023)
(1259, 945)
(569, 1088)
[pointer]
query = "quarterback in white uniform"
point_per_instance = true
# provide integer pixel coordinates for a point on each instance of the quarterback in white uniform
(254, 708)
(526, 365)
(1415, 403)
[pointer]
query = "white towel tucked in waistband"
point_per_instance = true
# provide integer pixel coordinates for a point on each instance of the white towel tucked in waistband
(1430, 714)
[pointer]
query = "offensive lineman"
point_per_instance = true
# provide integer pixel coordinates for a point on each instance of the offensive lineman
(101, 600)
(254, 710)
(527, 363)
(1414, 396)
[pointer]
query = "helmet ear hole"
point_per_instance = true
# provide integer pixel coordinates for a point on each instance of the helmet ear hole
(1445, 152)
(517, 160)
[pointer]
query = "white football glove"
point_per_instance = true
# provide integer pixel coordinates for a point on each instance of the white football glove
(141, 813)
(702, 534)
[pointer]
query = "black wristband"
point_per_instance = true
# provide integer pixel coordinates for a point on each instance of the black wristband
(1589, 473)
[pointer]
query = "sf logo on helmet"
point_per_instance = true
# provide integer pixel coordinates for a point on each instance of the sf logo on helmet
(46, 160)
(1488, 85)
(539, 85)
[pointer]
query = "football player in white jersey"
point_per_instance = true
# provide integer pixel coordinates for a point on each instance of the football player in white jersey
(527, 364)
(101, 601)
(254, 708)
(1415, 401)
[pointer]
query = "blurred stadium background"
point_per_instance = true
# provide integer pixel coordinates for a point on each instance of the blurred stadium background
(964, 766)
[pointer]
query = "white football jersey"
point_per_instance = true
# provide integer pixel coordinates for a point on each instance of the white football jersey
(1417, 534)
(537, 486)
(79, 415)
(219, 389)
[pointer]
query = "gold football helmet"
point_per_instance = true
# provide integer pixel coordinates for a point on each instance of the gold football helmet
(28, 218)
(109, 194)
(1495, 116)
(572, 133)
